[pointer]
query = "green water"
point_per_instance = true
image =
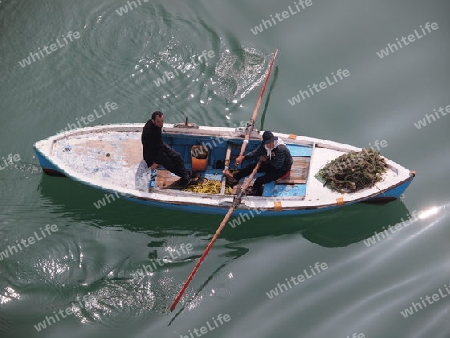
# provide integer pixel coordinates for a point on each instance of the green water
(90, 265)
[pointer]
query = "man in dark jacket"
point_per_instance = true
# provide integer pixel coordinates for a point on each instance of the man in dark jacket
(277, 162)
(156, 152)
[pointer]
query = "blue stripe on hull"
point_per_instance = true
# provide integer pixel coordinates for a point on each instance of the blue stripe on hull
(395, 192)
(222, 211)
(44, 162)
(392, 193)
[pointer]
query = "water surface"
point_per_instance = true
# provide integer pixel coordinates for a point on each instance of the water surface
(91, 264)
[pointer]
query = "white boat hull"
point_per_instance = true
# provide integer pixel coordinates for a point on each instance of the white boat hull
(109, 158)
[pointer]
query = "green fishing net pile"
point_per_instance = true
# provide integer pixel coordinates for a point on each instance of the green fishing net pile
(353, 171)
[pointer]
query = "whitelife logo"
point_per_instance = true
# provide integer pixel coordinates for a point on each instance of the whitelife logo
(243, 217)
(418, 306)
(53, 319)
(323, 85)
(204, 330)
(53, 47)
(105, 200)
(91, 118)
(29, 241)
(411, 38)
(124, 9)
(318, 267)
(378, 236)
(184, 68)
(357, 335)
(174, 254)
(9, 160)
(430, 118)
(280, 17)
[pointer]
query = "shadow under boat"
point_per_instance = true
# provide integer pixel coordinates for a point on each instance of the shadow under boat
(335, 228)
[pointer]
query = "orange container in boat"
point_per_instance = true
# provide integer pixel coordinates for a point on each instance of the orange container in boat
(199, 158)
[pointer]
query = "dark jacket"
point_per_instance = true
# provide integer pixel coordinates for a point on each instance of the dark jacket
(280, 158)
(151, 142)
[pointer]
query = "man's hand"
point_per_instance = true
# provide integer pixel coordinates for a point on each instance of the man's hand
(239, 160)
(262, 158)
(154, 166)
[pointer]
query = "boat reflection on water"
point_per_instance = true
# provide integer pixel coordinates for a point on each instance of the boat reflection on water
(335, 228)
(111, 274)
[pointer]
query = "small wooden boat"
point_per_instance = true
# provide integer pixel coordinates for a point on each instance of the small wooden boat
(109, 157)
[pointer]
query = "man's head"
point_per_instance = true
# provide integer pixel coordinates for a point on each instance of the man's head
(158, 119)
(269, 139)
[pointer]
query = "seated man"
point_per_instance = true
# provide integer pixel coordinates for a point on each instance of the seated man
(156, 152)
(277, 163)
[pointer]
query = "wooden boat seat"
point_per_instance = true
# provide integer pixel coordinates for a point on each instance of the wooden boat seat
(298, 172)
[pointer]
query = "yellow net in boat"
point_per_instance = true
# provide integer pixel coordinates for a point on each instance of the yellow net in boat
(209, 187)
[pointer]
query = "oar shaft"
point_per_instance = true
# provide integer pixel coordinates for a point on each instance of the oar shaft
(211, 243)
(205, 253)
(258, 104)
(263, 88)
(236, 201)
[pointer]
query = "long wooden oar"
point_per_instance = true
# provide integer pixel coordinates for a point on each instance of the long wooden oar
(238, 197)
(236, 202)
(251, 123)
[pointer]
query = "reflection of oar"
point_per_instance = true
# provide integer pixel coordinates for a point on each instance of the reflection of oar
(236, 202)
(266, 104)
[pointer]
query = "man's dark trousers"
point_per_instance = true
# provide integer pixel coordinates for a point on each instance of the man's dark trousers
(172, 161)
(271, 175)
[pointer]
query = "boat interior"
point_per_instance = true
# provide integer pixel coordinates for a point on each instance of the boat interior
(206, 156)
(111, 158)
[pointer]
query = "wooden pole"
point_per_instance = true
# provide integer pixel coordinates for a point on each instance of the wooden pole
(252, 121)
(236, 202)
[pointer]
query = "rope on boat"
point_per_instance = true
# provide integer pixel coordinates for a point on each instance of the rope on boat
(353, 171)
